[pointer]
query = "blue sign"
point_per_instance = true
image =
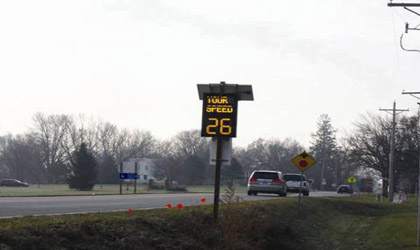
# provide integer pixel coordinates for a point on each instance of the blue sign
(124, 176)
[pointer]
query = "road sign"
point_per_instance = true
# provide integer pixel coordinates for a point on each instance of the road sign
(303, 161)
(220, 104)
(351, 180)
(226, 152)
(132, 176)
(219, 115)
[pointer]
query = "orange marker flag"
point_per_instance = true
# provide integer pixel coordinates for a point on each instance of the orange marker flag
(130, 211)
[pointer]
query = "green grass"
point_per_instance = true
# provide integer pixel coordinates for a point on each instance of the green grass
(63, 190)
(363, 223)
(106, 189)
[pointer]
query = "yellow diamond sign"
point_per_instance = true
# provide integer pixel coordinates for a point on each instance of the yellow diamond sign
(303, 161)
(351, 180)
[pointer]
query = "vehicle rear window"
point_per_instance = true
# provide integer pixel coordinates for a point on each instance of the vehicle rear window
(265, 175)
(293, 177)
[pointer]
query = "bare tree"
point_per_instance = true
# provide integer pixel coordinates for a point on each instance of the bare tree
(50, 132)
(189, 143)
(82, 130)
(369, 145)
(137, 144)
(187, 157)
(21, 156)
(370, 148)
(269, 154)
(110, 142)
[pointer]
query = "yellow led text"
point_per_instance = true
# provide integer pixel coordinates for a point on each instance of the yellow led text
(219, 109)
(217, 100)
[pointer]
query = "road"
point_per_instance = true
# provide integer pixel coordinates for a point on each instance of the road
(22, 206)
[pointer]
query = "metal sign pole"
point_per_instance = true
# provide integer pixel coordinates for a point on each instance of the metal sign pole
(300, 188)
(135, 178)
(217, 178)
(121, 181)
(218, 168)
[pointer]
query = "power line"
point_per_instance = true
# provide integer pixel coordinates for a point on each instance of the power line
(402, 46)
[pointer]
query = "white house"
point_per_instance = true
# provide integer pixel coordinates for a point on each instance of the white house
(145, 168)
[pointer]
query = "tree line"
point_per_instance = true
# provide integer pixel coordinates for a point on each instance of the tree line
(47, 152)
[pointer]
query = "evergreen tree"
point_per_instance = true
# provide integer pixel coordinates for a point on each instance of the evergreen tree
(83, 169)
(324, 149)
(194, 172)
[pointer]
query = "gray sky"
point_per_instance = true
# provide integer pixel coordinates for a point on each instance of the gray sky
(136, 63)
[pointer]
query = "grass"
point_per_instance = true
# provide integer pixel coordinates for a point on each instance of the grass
(370, 224)
(320, 223)
(106, 189)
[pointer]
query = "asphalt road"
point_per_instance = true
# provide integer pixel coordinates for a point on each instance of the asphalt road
(22, 206)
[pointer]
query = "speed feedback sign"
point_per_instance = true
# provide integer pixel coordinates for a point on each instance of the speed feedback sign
(219, 115)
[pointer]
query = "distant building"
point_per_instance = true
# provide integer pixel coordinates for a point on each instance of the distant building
(145, 168)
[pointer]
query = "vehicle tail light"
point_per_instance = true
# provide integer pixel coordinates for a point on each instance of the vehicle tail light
(252, 179)
(277, 180)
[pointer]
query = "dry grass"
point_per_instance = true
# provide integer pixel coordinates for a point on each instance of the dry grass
(327, 223)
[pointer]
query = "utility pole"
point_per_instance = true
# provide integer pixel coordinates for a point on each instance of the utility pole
(414, 94)
(405, 6)
(391, 4)
(391, 155)
(407, 26)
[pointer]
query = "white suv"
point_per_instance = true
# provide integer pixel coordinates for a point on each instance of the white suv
(293, 183)
(267, 181)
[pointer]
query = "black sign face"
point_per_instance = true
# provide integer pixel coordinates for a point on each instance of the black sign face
(219, 115)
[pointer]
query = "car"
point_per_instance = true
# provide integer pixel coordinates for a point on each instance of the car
(347, 189)
(13, 183)
(267, 181)
(293, 183)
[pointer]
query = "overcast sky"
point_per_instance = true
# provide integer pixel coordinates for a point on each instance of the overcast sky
(136, 63)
